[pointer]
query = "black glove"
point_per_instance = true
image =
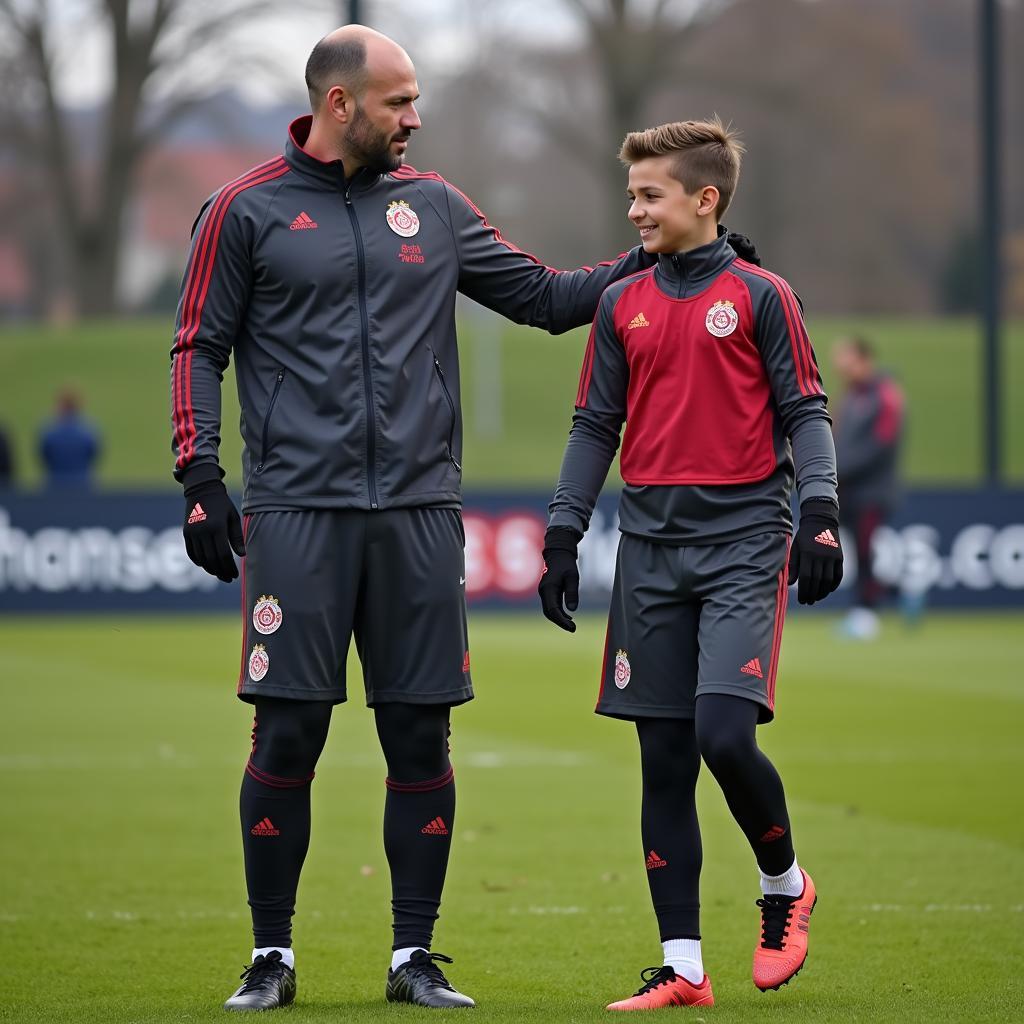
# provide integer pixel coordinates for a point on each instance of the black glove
(744, 248)
(212, 528)
(561, 578)
(816, 559)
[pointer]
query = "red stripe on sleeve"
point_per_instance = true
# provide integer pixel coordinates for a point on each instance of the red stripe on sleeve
(588, 367)
(813, 375)
(409, 173)
(803, 357)
(200, 273)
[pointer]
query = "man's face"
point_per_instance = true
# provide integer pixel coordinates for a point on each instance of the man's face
(385, 117)
(663, 211)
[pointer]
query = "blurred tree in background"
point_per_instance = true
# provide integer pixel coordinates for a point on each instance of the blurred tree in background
(157, 52)
(860, 182)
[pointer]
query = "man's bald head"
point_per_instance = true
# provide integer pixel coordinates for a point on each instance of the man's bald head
(351, 56)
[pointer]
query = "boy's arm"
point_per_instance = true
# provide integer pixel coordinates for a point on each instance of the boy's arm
(593, 441)
(816, 558)
(596, 426)
(517, 285)
(793, 375)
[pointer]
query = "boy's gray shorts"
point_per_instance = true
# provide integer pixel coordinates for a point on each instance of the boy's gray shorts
(690, 620)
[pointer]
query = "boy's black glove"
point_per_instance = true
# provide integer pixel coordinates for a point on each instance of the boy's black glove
(212, 528)
(560, 579)
(744, 248)
(816, 559)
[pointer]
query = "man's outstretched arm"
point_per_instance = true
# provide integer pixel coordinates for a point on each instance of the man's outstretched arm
(502, 277)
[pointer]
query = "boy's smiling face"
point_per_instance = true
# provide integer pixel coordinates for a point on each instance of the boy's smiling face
(669, 218)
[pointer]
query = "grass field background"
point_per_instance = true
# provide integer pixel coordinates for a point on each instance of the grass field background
(121, 746)
(122, 371)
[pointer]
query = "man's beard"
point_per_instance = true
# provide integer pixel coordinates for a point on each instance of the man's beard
(370, 146)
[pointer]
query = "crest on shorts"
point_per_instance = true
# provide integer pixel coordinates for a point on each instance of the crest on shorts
(267, 615)
(622, 669)
(722, 319)
(259, 663)
(402, 219)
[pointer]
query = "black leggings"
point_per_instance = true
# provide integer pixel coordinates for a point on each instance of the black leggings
(722, 733)
(419, 811)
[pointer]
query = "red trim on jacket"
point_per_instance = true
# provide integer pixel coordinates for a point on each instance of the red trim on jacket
(405, 172)
(410, 173)
(803, 356)
(200, 273)
(587, 368)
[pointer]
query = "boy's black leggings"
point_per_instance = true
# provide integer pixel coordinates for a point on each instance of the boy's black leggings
(722, 733)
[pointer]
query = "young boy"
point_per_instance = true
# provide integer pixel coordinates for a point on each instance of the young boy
(706, 360)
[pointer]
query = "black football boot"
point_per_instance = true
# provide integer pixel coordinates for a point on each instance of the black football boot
(419, 980)
(267, 983)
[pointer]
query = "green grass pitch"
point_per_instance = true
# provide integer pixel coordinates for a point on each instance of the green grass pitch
(121, 746)
(122, 371)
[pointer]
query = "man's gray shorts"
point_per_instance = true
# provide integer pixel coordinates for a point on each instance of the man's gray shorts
(691, 620)
(395, 579)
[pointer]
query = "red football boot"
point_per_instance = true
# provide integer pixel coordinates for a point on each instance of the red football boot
(663, 987)
(783, 946)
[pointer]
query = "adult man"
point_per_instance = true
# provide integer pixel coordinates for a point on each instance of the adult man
(868, 434)
(331, 272)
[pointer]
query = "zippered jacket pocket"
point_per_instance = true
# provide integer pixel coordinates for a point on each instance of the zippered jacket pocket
(451, 408)
(264, 437)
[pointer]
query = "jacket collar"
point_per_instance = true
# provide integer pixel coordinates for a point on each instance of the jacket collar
(683, 274)
(329, 172)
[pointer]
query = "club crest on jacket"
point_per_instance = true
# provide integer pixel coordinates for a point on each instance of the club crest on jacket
(402, 218)
(722, 319)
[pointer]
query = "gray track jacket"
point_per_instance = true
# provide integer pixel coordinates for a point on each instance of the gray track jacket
(337, 297)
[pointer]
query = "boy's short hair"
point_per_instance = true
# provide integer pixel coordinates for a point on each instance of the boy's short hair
(707, 153)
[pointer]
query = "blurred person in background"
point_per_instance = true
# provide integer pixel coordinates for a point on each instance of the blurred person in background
(868, 433)
(69, 445)
(6, 461)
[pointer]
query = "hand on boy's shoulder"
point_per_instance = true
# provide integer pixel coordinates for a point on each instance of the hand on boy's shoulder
(744, 248)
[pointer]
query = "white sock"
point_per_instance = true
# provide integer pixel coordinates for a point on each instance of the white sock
(403, 956)
(287, 954)
(683, 956)
(790, 883)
